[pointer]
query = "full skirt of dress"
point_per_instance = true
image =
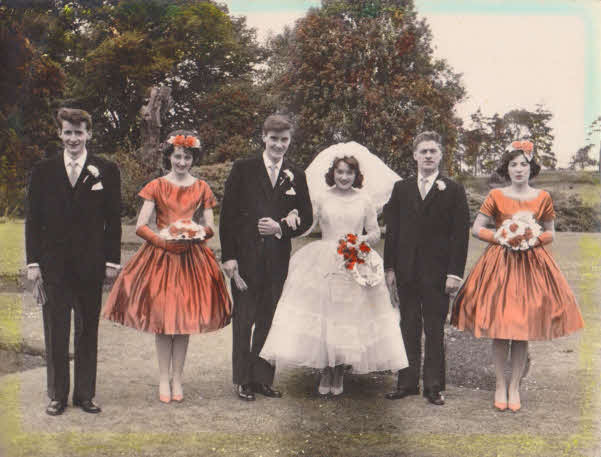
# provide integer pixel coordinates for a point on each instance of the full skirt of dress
(324, 318)
(516, 295)
(162, 292)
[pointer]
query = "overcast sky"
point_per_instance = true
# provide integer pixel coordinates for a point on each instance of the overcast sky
(511, 54)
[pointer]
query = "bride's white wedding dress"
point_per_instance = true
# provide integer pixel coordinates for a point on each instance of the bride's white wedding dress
(324, 317)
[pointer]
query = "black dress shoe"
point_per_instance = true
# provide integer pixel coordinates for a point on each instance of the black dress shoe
(245, 392)
(88, 406)
(266, 390)
(401, 392)
(436, 398)
(56, 408)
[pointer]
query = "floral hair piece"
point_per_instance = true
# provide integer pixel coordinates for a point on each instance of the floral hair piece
(184, 141)
(527, 147)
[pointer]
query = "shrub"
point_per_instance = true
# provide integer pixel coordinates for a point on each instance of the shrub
(215, 175)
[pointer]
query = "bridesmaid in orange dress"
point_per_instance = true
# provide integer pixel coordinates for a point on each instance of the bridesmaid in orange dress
(515, 296)
(172, 288)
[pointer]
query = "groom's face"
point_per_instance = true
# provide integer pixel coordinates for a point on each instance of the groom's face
(74, 137)
(276, 143)
(428, 155)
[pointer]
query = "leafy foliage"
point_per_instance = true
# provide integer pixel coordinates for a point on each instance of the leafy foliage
(582, 158)
(364, 71)
(485, 141)
(29, 81)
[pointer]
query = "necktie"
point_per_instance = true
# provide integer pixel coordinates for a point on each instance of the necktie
(272, 175)
(422, 187)
(73, 173)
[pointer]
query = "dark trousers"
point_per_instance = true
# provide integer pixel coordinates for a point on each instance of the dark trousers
(423, 307)
(253, 313)
(84, 297)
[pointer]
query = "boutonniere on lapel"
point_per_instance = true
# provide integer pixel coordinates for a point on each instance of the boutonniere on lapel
(95, 173)
(287, 182)
(440, 184)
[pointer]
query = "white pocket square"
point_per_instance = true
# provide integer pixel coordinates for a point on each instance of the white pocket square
(291, 191)
(97, 186)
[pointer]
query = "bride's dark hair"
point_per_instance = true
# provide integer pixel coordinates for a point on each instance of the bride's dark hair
(353, 164)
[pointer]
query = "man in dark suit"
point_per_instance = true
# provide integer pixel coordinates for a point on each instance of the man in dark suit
(265, 204)
(73, 236)
(427, 231)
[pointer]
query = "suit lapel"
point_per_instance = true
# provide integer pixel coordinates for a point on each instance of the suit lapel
(415, 198)
(278, 182)
(263, 177)
(61, 172)
(82, 182)
(433, 194)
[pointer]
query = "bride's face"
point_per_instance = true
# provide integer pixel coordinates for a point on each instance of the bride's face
(344, 176)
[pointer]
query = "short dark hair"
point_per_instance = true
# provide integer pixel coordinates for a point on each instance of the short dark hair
(508, 156)
(73, 115)
(277, 123)
(353, 164)
(168, 148)
(427, 136)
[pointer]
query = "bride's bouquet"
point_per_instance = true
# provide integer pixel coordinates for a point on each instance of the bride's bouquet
(520, 232)
(183, 230)
(358, 260)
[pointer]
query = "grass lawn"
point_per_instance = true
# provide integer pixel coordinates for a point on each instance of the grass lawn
(12, 253)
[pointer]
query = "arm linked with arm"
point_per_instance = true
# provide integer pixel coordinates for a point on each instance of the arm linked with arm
(305, 209)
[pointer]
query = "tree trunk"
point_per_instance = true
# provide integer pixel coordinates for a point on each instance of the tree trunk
(159, 103)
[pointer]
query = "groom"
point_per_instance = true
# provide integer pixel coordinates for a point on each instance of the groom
(427, 231)
(73, 236)
(264, 197)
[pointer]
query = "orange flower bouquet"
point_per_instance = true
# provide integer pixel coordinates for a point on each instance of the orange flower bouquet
(358, 260)
(184, 230)
(520, 232)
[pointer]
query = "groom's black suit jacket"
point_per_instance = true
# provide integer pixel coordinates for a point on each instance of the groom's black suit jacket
(248, 197)
(79, 227)
(426, 240)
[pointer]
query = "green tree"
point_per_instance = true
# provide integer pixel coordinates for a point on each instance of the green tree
(364, 71)
(484, 143)
(128, 46)
(593, 131)
(582, 158)
(533, 125)
(29, 81)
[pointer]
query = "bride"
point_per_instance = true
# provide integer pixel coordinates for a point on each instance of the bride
(335, 309)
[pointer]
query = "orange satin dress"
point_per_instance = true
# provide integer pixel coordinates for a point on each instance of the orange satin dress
(516, 295)
(162, 292)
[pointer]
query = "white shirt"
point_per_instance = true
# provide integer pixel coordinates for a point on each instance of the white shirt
(268, 163)
(79, 163)
(429, 181)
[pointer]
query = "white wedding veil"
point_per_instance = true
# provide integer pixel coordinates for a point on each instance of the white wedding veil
(378, 179)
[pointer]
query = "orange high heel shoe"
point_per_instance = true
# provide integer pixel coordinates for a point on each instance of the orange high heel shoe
(165, 398)
(500, 405)
(515, 407)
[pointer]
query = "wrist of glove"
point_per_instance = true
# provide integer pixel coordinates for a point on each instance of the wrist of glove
(174, 247)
